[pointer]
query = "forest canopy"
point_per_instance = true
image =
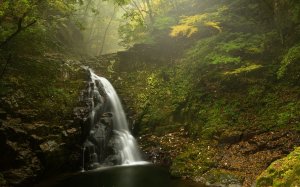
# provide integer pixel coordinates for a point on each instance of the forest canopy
(69, 24)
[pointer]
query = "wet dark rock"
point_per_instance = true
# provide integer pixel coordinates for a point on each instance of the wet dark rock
(72, 131)
(53, 154)
(41, 128)
(19, 163)
(112, 160)
(10, 103)
(3, 114)
(27, 115)
(49, 146)
(32, 147)
(230, 137)
(3, 182)
(21, 176)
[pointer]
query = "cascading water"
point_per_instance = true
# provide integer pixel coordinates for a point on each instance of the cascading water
(107, 139)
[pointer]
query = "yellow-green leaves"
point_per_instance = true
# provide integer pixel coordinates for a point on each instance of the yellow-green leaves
(244, 69)
(190, 25)
(20, 7)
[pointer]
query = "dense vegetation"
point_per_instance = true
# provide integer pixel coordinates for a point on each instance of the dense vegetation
(213, 69)
(235, 68)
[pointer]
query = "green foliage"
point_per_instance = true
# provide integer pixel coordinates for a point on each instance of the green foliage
(132, 33)
(164, 22)
(222, 59)
(244, 69)
(33, 20)
(226, 79)
(227, 48)
(291, 57)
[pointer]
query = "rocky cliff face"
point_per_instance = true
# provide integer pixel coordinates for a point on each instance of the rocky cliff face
(39, 132)
(32, 148)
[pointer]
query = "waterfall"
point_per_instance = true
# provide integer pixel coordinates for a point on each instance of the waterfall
(107, 126)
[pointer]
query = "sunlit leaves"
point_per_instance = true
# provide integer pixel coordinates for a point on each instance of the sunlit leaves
(183, 30)
(189, 25)
(215, 25)
(244, 69)
(215, 58)
(121, 2)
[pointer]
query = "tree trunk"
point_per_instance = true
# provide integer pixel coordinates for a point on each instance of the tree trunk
(105, 32)
(5, 66)
(150, 12)
(139, 9)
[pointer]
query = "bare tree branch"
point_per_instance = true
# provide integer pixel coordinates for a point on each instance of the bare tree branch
(105, 32)
(5, 66)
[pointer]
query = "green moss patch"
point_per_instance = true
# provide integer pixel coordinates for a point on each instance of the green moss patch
(283, 172)
(194, 161)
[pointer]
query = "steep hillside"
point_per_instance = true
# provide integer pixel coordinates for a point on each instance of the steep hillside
(39, 134)
(225, 103)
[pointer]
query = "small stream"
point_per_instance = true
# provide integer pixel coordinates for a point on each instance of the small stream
(120, 176)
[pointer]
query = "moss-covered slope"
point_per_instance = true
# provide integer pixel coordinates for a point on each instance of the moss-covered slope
(283, 172)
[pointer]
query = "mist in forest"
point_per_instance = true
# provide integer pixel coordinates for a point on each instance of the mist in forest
(99, 26)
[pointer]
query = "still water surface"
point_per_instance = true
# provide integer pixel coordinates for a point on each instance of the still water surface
(122, 176)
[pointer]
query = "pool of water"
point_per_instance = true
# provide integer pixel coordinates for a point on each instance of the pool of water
(120, 176)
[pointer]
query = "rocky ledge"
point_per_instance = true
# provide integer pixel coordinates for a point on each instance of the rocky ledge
(30, 148)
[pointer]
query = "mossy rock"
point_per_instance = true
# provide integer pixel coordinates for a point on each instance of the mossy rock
(222, 177)
(194, 161)
(283, 172)
(230, 136)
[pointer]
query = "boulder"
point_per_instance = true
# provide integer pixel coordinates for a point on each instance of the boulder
(222, 178)
(53, 154)
(229, 137)
(282, 172)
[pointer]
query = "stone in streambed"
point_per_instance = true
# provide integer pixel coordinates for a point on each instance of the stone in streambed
(53, 154)
(222, 178)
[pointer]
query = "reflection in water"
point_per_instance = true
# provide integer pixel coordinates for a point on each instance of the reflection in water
(123, 176)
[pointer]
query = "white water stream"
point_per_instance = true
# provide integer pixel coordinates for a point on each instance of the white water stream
(127, 144)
